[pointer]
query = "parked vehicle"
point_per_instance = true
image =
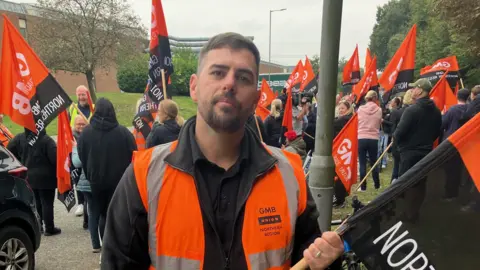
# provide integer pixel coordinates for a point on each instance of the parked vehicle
(20, 224)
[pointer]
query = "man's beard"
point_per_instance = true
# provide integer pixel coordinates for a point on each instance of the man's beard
(231, 120)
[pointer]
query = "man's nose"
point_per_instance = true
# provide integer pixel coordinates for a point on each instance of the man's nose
(229, 81)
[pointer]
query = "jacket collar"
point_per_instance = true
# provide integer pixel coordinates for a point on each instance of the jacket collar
(183, 158)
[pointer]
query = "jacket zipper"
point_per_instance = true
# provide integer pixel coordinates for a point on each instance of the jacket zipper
(244, 200)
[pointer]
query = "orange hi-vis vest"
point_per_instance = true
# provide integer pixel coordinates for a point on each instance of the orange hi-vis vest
(176, 234)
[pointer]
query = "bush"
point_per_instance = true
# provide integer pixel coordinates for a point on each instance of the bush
(184, 64)
(132, 74)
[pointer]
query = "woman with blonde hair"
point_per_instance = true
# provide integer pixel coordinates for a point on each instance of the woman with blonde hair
(273, 124)
(168, 126)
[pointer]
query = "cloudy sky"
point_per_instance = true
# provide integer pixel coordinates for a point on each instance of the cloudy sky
(296, 32)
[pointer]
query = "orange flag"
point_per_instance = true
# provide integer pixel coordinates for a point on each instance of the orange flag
(368, 59)
(351, 71)
(64, 149)
(287, 122)
(467, 142)
(295, 79)
(399, 72)
(90, 103)
(309, 84)
(443, 95)
(266, 98)
(361, 88)
(345, 152)
(435, 71)
(28, 93)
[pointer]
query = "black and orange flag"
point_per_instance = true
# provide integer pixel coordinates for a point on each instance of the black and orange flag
(443, 95)
(351, 71)
(29, 94)
(345, 153)
(366, 83)
(145, 115)
(429, 217)
(399, 72)
(160, 53)
(295, 80)
(64, 152)
(435, 71)
(266, 98)
(309, 82)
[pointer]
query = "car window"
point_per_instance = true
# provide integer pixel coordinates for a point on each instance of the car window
(7, 160)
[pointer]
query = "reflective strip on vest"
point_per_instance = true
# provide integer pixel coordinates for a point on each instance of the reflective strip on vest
(280, 257)
(156, 170)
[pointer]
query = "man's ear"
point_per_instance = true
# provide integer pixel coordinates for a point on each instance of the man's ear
(193, 87)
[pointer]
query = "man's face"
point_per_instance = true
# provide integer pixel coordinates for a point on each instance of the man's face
(82, 98)
(226, 88)
(416, 92)
(79, 125)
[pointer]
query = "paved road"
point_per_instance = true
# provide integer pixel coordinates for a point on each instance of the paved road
(71, 249)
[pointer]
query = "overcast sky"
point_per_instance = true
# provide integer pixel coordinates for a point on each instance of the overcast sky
(296, 32)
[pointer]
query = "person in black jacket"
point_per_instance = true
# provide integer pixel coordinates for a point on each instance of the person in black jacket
(418, 128)
(168, 126)
(273, 124)
(41, 161)
(451, 122)
(105, 149)
(394, 118)
(344, 115)
(473, 107)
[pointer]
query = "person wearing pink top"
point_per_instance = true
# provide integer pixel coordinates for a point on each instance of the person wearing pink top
(369, 121)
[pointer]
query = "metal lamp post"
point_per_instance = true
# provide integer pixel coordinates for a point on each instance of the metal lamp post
(270, 42)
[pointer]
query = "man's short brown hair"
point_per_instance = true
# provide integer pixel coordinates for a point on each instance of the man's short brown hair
(230, 40)
(476, 90)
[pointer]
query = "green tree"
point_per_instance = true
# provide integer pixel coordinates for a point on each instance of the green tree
(132, 74)
(185, 63)
(83, 35)
(392, 18)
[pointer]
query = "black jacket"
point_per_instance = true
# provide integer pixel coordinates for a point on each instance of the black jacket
(125, 244)
(273, 130)
(419, 127)
(395, 116)
(451, 120)
(472, 109)
(310, 130)
(339, 123)
(41, 159)
(163, 133)
(251, 123)
(105, 148)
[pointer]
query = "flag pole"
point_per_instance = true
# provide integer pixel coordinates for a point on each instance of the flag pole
(302, 264)
(80, 112)
(376, 163)
(164, 84)
(461, 81)
(258, 127)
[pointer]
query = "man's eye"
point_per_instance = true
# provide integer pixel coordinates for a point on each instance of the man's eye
(244, 79)
(217, 73)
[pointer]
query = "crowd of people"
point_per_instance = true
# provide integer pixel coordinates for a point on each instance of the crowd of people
(215, 146)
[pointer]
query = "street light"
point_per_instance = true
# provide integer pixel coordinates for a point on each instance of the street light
(270, 42)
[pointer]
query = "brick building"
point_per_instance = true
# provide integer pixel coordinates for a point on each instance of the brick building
(23, 16)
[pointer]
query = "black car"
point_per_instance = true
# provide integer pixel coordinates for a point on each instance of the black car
(19, 221)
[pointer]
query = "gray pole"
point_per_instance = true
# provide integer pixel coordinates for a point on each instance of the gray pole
(269, 47)
(322, 168)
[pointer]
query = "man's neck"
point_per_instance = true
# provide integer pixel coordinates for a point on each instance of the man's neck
(222, 149)
(461, 102)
